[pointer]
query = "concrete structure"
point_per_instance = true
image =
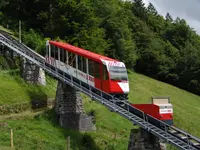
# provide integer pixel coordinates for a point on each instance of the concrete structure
(143, 140)
(69, 109)
(31, 73)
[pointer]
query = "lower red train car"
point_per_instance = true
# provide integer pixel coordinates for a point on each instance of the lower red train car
(163, 112)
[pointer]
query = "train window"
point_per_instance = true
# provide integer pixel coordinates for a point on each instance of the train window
(64, 56)
(118, 73)
(56, 53)
(162, 107)
(84, 65)
(165, 107)
(94, 69)
(170, 107)
(61, 55)
(105, 73)
(97, 70)
(91, 67)
(52, 50)
(72, 59)
(80, 62)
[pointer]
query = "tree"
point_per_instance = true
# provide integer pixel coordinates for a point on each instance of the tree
(139, 9)
(168, 18)
(151, 9)
(120, 36)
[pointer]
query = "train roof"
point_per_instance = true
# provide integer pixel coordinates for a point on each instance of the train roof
(82, 52)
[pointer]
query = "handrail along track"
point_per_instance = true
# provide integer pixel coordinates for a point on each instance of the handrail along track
(170, 134)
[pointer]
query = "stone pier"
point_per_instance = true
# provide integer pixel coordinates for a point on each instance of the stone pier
(69, 109)
(31, 73)
(143, 140)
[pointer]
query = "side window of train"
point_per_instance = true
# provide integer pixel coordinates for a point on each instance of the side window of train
(70, 58)
(91, 67)
(105, 73)
(84, 65)
(74, 60)
(80, 61)
(61, 54)
(52, 50)
(64, 56)
(97, 70)
(94, 69)
(56, 53)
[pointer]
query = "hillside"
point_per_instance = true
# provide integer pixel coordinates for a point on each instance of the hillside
(33, 131)
(158, 46)
(15, 90)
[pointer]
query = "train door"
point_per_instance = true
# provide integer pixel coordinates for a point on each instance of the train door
(104, 79)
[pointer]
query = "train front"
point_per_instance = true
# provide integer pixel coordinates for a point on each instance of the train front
(118, 79)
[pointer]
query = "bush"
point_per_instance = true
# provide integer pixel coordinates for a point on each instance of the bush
(35, 41)
(87, 143)
(172, 78)
(3, 63)
(92, 113)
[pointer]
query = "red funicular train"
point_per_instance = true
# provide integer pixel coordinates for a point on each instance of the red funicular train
(101, 72)
(106, 74)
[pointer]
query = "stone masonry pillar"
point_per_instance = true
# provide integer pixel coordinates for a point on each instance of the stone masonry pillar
(69, 109)
(31, 73)
(143, 140)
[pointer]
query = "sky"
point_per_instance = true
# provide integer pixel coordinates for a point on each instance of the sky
(184, 9)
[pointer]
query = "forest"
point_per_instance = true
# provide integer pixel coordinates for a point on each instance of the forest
(158, 46)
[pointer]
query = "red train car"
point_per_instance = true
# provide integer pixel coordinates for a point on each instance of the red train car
(101, 72)
(161, 110)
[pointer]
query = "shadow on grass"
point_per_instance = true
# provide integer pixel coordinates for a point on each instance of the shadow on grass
(38, 98)
(80, 141)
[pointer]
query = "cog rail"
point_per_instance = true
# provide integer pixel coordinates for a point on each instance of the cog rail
(169, 134)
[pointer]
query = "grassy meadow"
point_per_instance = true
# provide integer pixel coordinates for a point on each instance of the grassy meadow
(14, 89)
(40, 131)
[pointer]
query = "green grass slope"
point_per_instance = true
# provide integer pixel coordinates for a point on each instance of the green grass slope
(13, 89)
(41, 131)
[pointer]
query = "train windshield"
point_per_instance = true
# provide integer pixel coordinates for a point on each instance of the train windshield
(118, 73)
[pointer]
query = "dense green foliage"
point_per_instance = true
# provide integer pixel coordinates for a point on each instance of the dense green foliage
(157, 46)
